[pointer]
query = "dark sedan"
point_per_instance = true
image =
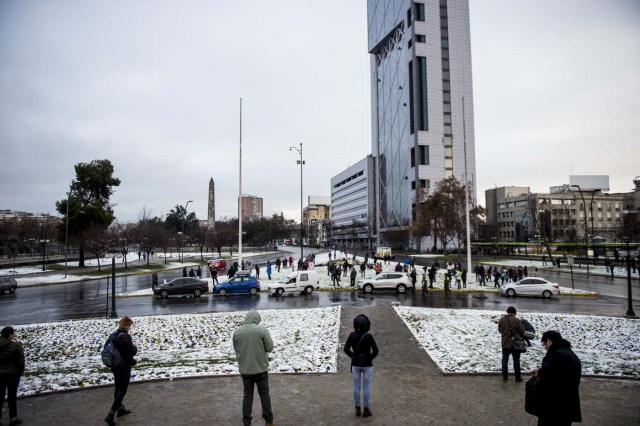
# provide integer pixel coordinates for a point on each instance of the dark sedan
(182, 286)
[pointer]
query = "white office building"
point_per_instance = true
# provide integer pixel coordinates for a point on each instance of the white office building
(421, 73)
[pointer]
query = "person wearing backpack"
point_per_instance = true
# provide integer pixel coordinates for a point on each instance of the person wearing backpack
(121, 374)
(11, 369)
(362, 349)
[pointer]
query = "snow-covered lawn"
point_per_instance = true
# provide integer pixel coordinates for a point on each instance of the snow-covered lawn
(468, 341)
(66, 355)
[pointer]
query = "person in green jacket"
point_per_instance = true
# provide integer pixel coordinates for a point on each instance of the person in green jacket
(252, 342)
(11, 369)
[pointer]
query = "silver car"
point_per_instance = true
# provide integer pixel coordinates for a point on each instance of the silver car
(531, 286)
(398, 281)
(8, 283)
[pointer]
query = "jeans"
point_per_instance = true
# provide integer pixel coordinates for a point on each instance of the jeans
(9, 382)
(357, 373)
(262, 382)
(121, 378)
(505, 363)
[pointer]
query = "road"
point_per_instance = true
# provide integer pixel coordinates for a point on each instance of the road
(88, 299)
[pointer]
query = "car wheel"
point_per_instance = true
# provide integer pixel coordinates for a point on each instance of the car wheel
(401, 288)
(279, 291)
(253, 291)
(197, 292)
(511, 292)
(308, 289)
(222, 292)
(164, 294)
(546, 294)
(368, 288)
(12, 290)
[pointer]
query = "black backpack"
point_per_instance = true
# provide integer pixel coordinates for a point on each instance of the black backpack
(110, 354)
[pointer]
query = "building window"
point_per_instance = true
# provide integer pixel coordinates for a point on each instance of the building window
(423, 121)
(413, 159)
(408, 17)
(421, 38)
(411, 111)
(420, 12)
(424, 155)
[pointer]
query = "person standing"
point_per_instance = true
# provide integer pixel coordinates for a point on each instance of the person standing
(199, 272)
(353, 274)
(214, 275)
(122, 374)
(154, 280)
(268, 270)
(252, 342)
(257, 271)
(11, 369)
(363, 268)
(414, 277)
(558, 382)
(510, 328)
(362, 349)
(184, 272)
(278, 264)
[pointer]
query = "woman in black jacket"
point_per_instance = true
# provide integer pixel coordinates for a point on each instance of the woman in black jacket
(362, 349)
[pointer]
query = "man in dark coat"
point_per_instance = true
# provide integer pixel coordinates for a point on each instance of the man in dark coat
(11, 369)
(558, 382)
(510, 329)
(122, 374)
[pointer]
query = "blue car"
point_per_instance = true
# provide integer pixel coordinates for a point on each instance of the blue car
(241, 283)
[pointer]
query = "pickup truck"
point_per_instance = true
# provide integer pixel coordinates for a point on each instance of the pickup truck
(298, 282)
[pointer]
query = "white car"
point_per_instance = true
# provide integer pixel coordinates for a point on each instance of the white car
(398, 281)
(531, 286)
(299, 282)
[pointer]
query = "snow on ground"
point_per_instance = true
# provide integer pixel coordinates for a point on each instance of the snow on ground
(66, 355)
(468, 341)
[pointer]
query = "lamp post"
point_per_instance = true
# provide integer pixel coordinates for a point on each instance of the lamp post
(586, 227)
(114, 313)
(630, 313)
(183, 219)
(301, 162)
(44, 253)
(66, 234)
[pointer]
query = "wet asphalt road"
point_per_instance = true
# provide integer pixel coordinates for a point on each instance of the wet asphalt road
(88, 299)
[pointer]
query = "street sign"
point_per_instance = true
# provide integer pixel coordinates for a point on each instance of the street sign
(570, 259)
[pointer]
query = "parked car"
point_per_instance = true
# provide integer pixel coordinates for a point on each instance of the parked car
(241, 283)
(387, 280)
(531, 286)
(187, 285)
(298, 282)
(220, 264)
(8, 283)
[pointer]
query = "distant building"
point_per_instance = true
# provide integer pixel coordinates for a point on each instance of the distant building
(316, 216)
(564, 214)
(251, 207)
(352, 203)
(211, 205)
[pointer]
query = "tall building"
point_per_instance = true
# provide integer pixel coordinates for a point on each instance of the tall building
(251, 207)
(315, 216)
(211, 205)
(421, 73)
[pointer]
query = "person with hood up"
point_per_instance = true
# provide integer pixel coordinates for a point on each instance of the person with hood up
(558, 382)
(252, 342)
(11, 369)
(362, 349)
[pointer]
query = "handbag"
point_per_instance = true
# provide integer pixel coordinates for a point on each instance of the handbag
(517, 345)
(532, 403)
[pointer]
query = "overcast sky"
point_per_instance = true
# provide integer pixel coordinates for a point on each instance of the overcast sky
(154, 86)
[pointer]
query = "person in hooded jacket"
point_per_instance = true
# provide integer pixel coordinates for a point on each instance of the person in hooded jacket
(510, 328)
(362, 349)
(11, 369)
(252, 342)
(122, 374)
(558, 382)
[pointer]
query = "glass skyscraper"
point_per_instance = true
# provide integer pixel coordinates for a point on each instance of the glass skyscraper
(421, 77)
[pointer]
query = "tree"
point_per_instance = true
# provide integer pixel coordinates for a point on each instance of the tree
(123, 236)
(97, 241)
(88, 202)
(148, 231)
(178, 220)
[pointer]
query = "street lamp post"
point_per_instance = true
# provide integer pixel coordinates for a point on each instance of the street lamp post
(183, 219)
(301, 162)
(66, 234)
(630, 313)
(114, 313)
(44, 253)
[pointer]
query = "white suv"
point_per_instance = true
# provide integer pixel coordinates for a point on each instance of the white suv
(398, 281)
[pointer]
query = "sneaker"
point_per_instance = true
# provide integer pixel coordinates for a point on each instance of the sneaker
(110, 419)
(366, 412)
(358, 412)
(122, 411)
